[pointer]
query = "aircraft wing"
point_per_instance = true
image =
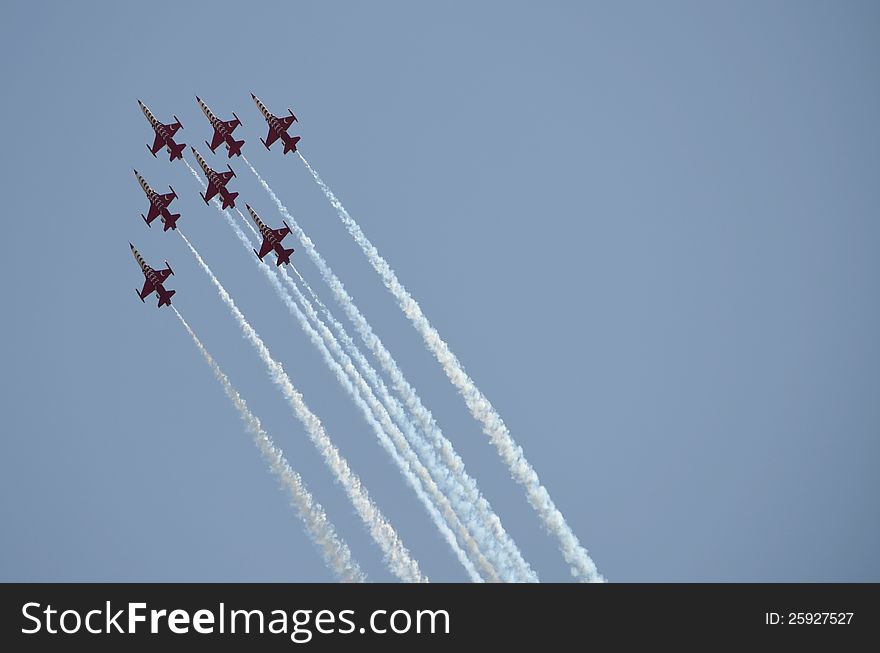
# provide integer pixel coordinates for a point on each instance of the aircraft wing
(163, 274)
(287, 121)
(152, 213)
(271, 138)
(172, 128)
(231, 125)
(212, 190)
(281, 233)
(215, 142)
(265, 248)
(148, 288)
(158, 144)
(168, 197)
(226, 176)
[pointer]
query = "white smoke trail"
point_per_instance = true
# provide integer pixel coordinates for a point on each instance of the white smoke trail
(582, 565)
(335, 551)
(459, 486)
(460, 515)
(376, 416)
(397, 557)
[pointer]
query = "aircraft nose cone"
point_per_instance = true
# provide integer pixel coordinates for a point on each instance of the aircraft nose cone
(132, 246)
(197, 98)
(252, 95)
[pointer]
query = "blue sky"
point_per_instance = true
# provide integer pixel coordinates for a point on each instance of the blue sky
(649, 232)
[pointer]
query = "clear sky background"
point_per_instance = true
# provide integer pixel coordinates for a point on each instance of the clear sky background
(649, 230)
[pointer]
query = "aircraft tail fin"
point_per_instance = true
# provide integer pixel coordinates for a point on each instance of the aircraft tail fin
(165, 298)
(171, 221)
(229, 200)
(290, 144)
(235, 148)
(177, 152)
(284, 256)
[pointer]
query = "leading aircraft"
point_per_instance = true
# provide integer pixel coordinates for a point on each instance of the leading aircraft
(216, 183)
(271, 240)
(164, 135)
(278, 128)
(222, 131)
(153, 280)
(158, 205)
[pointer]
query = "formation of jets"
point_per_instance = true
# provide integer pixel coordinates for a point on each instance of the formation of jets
(154, 280)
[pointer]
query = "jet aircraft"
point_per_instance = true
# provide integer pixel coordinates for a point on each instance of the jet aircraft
(158, 205)
(216, 182)
(222, 131)
(278, 127)
(271, 240)
(164, 135)
(153, 280)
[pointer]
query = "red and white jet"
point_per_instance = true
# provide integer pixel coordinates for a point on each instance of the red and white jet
(164, 135)
(216, 183)
(153, 280)
(278, 128)
(222, 131)
(158, 205)
(271, 240)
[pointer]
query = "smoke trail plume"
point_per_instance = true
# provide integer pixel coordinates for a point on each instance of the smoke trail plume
(582, 565)
(376, 416)
(335, 551)
(459, 486)
(397, 557)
